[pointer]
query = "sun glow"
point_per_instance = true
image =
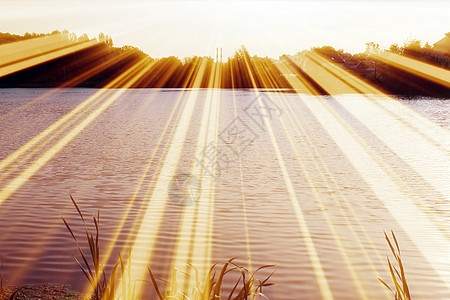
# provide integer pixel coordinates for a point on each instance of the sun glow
(272, 28)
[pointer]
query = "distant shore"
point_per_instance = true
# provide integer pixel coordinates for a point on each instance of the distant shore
(96, 63)
(264, 90)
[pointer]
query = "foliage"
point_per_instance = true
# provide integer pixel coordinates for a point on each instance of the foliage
(401, 289)
(211, 287)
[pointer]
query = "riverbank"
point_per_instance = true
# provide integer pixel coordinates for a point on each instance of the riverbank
(47, 291)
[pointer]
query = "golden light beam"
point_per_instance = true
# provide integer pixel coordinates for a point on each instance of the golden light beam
(427, 71)
(9, 67)
(434, 135)
(417, 224)
(309, 243)
(244, 201)
(430, 130)
(79, 109)
(426, 138)
(202, 250)
(23, 177)
(384, 181)
(38, 147)
(312, 186)
(436, 171)
(143, 245)
(70, 83)
(195, 231)
(349, 265)
(69, 122)
(110, 247)
(193, 74)
(60, 129)
(309, 178)
(21, 50)
(41, 244)
(320, 164)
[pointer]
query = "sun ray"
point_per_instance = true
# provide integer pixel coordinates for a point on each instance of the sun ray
(174, 118)
(309, 178)
(312, 252)
(64, 47)
(422, 69)
(143, 245)
(384, 181)
(428, 129)
(376, 173)
(23, 177)
(365, 109)
(81, 107)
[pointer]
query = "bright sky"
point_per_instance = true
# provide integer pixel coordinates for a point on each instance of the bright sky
(186, 28)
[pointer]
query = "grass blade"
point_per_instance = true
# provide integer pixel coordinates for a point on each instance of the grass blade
(155, 284)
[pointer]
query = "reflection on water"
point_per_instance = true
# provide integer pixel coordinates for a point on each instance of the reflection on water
(349, 167)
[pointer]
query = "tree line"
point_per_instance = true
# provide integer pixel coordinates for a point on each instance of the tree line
(98, 65)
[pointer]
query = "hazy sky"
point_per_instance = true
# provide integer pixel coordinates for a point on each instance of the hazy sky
(186, 28)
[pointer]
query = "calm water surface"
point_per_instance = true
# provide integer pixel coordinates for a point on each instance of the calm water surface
(357, 166)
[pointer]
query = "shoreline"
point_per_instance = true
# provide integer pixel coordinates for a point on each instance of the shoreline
(42, 291)
(265, 90)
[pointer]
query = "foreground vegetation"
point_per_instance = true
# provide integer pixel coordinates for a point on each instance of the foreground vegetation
(400, 291)
(104, 286)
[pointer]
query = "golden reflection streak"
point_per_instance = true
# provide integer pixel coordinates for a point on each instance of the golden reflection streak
(319, 163)
(436, 171)
(6, 68)
(143, 245)
(422, 69)
(431, 131)
(426, 127)
(114, 238)
(334, 233)
(241, 181)
(20, 50)
(317, 197)
(79, 109)
(79, 78)
(202, 254)
(53, 135)
(41, 245)
(62, 128)
(312, 252)
(297, 124)
(384, 181)
(419, 227)
(23, 177)
(110, 247)
(192, 75)
(244, 200)
(297, 84)
(195, 234)
(70, 83)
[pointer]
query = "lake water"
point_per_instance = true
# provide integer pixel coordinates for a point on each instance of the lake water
(308, 184)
